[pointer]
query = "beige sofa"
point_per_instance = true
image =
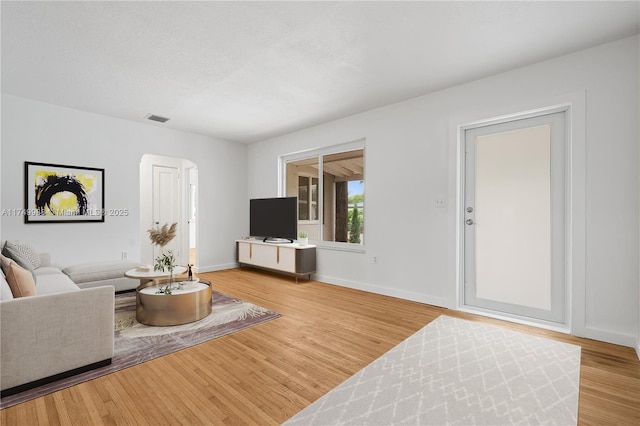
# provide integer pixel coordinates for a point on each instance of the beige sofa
(62, 330)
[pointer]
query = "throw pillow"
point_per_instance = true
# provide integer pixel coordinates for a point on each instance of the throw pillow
(11, 251)
(26, 252)
(20, 281)
(4, 263)
(5, 290)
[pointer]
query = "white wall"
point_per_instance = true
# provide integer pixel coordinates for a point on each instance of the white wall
(40, 132)
(409, 165)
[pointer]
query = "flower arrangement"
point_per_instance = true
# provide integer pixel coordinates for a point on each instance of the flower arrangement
(161, 236)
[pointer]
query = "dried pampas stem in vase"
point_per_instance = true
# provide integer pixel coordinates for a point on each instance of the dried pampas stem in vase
(161, 236)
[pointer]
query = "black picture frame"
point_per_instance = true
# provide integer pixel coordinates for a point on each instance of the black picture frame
(58, 193)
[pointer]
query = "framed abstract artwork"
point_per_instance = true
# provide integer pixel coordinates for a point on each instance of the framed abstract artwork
(59, 193)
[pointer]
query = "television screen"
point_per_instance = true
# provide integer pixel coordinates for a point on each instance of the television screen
(274, 218)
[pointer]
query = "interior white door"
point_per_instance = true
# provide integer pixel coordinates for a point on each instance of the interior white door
(514, 218)
(166, 204)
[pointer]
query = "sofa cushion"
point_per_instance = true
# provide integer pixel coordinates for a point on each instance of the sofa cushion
(5, 290)
(4, 263)
(100, 271)
(47, 270)
(56, 283)
(6, 293)
(20, 281)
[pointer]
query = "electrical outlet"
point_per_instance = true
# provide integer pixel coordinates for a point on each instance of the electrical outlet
(439, 203)
(375, 259)
(124, 255)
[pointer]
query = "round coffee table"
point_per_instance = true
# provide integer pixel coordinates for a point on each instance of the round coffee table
(151, 275)
(182, 306)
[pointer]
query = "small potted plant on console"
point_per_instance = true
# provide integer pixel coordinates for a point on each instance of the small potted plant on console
(303, 239)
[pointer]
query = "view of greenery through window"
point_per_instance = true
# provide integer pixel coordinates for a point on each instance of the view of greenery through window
(333, 211)
(356, 211)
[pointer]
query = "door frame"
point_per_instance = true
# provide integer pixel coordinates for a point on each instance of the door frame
(575, 208)
(146, 199)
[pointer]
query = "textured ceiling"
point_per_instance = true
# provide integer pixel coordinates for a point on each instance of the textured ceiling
(246, 71)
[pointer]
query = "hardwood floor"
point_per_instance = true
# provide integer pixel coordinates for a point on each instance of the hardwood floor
(266, 374)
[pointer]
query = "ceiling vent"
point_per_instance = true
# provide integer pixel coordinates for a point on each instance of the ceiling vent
(157, 118)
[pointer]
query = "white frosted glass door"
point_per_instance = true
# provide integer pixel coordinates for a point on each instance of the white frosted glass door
(514, 218)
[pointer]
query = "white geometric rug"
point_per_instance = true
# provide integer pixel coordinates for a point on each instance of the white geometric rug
(461, 372)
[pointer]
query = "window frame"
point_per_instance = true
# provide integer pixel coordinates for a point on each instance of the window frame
(320, 153)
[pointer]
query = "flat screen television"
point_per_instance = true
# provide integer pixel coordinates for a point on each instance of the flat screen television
(274, 219)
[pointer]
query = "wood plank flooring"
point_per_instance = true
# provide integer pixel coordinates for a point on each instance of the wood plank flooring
(266, 374)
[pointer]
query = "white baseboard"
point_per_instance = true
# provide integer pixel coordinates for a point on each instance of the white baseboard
(638, 348)
(607, 336)
(385, 291)
(213, 268)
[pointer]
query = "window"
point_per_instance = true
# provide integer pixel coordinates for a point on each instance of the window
(307, 198)
(330, 209)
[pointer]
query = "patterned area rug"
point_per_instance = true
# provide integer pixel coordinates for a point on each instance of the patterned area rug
(136, 343)
(458, 372)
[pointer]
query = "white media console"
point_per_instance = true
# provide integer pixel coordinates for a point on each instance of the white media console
(291, 258)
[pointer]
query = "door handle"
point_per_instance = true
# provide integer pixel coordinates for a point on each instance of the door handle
(469, 221)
